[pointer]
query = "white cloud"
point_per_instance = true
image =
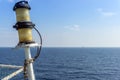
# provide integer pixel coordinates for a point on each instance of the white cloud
(73, 27)
(99, 9)
(109, 13)
(105, 13)
(11, 0)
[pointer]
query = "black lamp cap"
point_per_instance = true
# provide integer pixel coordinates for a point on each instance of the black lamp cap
(20, 25)
(22, 4)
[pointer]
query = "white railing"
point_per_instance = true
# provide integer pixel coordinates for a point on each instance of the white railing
(20, 69)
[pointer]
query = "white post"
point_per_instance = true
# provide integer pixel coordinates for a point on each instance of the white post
(30, 70)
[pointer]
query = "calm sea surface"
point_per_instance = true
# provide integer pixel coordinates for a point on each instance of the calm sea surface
(67, 63)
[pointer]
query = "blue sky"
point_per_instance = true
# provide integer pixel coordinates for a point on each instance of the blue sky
(66, 23)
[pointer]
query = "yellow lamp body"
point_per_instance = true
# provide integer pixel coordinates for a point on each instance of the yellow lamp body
(25, 35)
(24, 24)
(22, 14)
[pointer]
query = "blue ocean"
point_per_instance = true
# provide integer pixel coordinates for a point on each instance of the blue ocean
(68, 63)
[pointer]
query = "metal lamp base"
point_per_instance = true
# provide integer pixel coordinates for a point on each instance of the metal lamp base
(24, 45)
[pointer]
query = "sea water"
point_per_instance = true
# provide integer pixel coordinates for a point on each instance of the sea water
(68, 63)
